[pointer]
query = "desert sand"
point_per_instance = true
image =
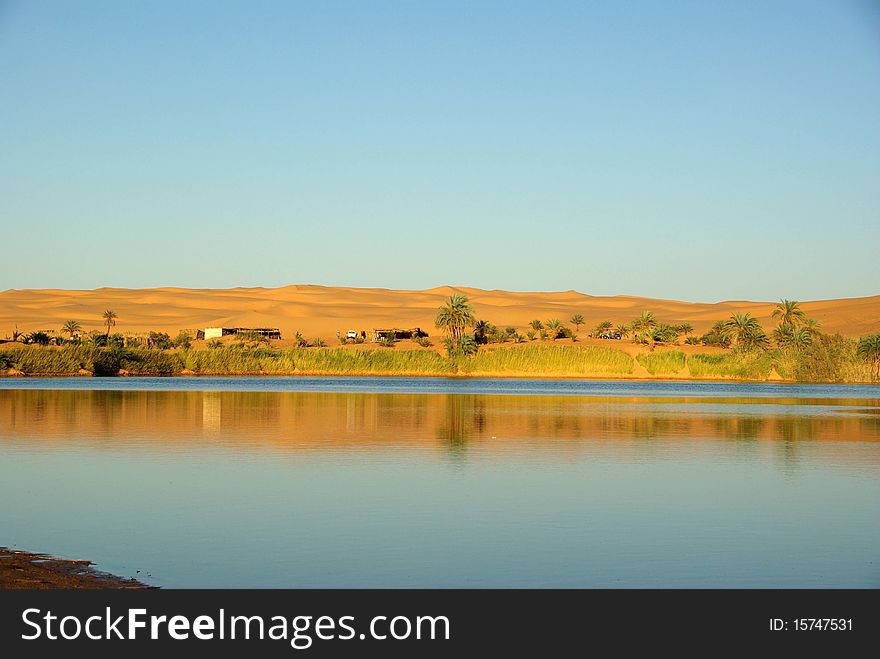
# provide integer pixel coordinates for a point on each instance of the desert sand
(322, 311)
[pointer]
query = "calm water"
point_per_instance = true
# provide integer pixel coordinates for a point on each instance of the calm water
(296, 482)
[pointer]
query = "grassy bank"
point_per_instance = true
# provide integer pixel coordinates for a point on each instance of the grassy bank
(832, 359)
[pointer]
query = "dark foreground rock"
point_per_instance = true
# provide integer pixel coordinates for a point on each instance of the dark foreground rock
(25, 570)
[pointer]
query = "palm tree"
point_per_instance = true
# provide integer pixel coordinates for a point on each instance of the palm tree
(623, 330)
(782, 335)
(789, 312)
(455, 315)
(813, 326)
(109, 317)
(664, 333)
(16, 334)
(482, 330)
(555, 326)
(536, 325)
(644, 322)
(577, 320)
(72, 328)
(744, 330)
(787, 336)
(801, 338)
(869, 350)
(683, 328)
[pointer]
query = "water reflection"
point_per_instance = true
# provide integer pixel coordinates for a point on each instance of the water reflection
(275, 489)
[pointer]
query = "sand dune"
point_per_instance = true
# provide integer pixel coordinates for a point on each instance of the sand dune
(322, 310)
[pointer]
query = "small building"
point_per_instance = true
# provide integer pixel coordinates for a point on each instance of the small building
(264, 332)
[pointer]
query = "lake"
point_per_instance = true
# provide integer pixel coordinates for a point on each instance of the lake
(435, 482)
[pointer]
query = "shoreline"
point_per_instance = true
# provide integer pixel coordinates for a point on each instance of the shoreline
(451, 376)
(24, 570)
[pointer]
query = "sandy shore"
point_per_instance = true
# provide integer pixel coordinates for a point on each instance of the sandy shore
(323, 311)
(26, 570)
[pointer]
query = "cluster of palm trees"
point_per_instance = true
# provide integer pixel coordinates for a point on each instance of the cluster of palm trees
(795, 329)
(643, 329)
(73, 329)
(552, 329)
(457, 315)
(486, 332)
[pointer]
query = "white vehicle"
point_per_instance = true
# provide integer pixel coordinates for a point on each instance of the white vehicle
(351, 334)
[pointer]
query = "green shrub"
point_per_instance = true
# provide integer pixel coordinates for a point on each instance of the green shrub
(183, 340)
(829, 358)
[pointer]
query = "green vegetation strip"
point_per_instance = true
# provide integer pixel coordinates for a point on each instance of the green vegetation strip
(829, 358)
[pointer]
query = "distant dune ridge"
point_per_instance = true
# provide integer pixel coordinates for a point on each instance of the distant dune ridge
(323, 310)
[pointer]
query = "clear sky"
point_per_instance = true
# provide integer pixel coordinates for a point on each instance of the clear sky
(697, 150)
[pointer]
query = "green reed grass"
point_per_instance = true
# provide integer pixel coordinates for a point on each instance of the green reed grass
(70, 359)
(754, 365)
(232, 360)
(662, 363)
(550, 359)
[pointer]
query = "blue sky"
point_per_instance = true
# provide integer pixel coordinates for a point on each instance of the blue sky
(691, 150)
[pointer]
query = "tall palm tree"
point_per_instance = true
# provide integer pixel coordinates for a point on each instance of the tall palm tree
(577, 320)
(72, 328)
(744, 330)
(455, 316)
(789, 312)
(109, 317)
